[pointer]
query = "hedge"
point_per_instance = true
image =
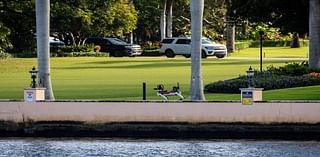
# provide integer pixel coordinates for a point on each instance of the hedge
(267, 43)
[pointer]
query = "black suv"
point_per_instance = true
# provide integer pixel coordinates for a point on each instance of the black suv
(115, 46)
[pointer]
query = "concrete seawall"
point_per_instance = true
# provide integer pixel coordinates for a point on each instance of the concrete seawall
(168, 119)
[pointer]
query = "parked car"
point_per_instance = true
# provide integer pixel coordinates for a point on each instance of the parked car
(55, 44)
(115, 46)
(182, 46)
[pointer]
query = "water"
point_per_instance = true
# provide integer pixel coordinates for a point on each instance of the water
(155, 148)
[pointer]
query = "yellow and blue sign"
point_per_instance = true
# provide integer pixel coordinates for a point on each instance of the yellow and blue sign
(247, 97)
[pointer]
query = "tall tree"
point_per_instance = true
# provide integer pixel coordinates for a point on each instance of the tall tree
(163, 20)
(314, 28)
(196, 85)
(169, 18)
(42, 23)
(4, 41)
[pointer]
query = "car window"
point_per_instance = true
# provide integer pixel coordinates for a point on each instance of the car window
(167, 41)
(106, 42)
(117, 41)
(207, 41)
(183, 41)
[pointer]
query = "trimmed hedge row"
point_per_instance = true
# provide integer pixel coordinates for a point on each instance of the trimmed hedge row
(82, 54)
(288, 76)
(275, 82)
(267, 43)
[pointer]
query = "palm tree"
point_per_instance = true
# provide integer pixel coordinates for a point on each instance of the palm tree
(314, 32)
(43, 20)
(196, 85)
(169, 19)
(163, 20)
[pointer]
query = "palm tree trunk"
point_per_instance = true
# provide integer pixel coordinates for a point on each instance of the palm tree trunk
(169, 19)
(231, 36)
(314, 33)
(196, 85)
(163, 21)
(43, 20)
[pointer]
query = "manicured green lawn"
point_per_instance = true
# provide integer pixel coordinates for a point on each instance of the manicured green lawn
(273, 52)
(107, 78)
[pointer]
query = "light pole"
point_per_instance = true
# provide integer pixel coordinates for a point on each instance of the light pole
(250, 74)
(261, 33)
(33, 73)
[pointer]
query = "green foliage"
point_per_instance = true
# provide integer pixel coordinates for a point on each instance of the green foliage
(86, 54)
(78, 48)
(293, 69)
(268, 43)
(288, 76)
(4, 41)
(75, 21)
(4, 55)
(19, 18)
(268, 83)
(152, 52)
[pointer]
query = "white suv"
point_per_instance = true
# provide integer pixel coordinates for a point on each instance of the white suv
(182, 46)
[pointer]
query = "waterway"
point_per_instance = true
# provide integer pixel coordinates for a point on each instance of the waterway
(89, 147)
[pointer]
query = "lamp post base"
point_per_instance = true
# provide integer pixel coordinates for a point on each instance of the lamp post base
(250, 95)
(34, 94)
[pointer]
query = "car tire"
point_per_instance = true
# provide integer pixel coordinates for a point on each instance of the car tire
(187, 56)
(204, 54)
(220, 56)
(170, 54)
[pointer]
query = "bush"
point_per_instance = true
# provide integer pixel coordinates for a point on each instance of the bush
(4, 55)
(288, 76)
(151, 53)
(78, 48)
(84, 54)
(268, 43)
(268, 83)
(293, 69)
(242, 44)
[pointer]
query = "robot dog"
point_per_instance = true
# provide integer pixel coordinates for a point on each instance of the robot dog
(164, 93)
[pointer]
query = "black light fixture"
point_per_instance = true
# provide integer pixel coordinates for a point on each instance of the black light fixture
(33, 73)
(261, 33)
(250, 74)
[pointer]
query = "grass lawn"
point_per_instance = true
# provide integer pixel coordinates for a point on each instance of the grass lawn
(108, 78)
(273, 52)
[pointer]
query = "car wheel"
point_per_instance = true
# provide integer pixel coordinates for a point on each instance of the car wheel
(220, 56)
(203, 54)
(187, 56)
(170, 53)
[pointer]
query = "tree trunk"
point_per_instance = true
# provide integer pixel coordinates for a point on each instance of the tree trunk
(169, 19)
(163, 21)
(42, 21)
(231, 36)
(314, 34)
(196, 85)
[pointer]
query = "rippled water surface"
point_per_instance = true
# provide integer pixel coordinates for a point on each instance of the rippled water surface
(155, 148)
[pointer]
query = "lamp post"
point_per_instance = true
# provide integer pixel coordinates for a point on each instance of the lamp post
(33, 73)
(261, 33)
(250, 74)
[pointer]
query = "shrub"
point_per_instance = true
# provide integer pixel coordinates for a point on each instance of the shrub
(293, 69)
(78, 48)
(4, 55)
(268, 83)
(268, 43)
(288, 76)
(86, 54)
(151, 53)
